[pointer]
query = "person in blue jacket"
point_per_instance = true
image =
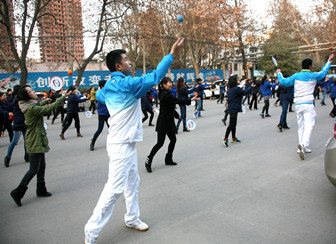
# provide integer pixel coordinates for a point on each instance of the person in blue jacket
(332, 90)
(304, 84)
(18, 127)
(324, 87)
(154, 94)
(199, 89)
(235, 95)
(5, 111)
(221, 91)
(103, 116)
(122, 94)
(146, 106)
(72, 111)
(173, 90)
(285, 95)
(266, 93)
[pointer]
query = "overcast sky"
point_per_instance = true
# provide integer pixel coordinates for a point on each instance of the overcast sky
(260, 7)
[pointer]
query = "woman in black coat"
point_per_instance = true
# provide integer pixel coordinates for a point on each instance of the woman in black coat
(235, 95)
(182, 93)
(165, 124)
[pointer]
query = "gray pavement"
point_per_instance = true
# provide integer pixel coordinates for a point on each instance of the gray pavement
(258, 191)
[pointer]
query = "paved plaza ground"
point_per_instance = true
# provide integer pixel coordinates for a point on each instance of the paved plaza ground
(258, 191)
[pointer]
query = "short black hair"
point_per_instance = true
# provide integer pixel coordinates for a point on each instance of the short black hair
(102, 83)
(306, 63)
(113, 58)
(198, 79)
(22, 94)
(72, 88)
(232, 81)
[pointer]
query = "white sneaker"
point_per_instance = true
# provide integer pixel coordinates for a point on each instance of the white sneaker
(89, 239)
(138, 225)
(307, 150)
(301, 151)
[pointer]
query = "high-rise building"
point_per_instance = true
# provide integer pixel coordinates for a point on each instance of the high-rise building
(61, 32)
(4, 38)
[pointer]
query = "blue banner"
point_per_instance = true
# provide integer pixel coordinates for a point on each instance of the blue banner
(189, 75)
(40, 80)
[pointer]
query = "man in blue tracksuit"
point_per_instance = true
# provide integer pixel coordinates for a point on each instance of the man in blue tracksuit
(122, 94)
(304, 84)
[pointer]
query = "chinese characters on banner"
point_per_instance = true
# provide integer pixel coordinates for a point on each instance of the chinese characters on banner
(40, 80)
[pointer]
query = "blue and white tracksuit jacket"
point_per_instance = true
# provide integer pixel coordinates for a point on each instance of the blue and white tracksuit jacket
(304, 84)
(122, 94)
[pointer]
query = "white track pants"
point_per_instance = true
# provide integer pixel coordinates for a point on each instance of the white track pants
(123, 178)
(305, 114)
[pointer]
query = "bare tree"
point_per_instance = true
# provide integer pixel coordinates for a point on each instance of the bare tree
(30, 14)
(109, 13)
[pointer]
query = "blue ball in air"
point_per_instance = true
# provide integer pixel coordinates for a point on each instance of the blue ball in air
(180, 18)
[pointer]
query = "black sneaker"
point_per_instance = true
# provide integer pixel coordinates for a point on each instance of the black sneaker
(225, 142)
(6, 161)
(235, 140)
(267, 115)
(148, 164)
(280, 128)
(262, 115)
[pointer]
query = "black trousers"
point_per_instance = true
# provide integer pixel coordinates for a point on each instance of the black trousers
(254, 100)
(101, 120)
(160, 141)
(69, 121)
(37, 167)
(60, 109)
(266, 106)
(9, 128)
(232, 126)
(92, 106)
(144, 111)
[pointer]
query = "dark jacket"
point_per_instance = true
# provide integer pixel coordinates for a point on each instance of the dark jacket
(18, 121)
(199, 88)
(165, 122)
(4, 110)
(256, 89)
(332, 90)
(235, 95)
(265, 88)
(183, 92)
(145, 103)
(102, 109)
(285, 93)
(73, 100)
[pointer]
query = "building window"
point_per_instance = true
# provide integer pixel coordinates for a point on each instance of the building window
(235, 67)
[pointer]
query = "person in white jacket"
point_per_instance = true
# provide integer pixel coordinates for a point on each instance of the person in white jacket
(304, 84)
(122, 94)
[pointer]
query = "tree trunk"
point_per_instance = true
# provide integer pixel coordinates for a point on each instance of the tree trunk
(24, 73)
(224, 71)
(143, 56)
